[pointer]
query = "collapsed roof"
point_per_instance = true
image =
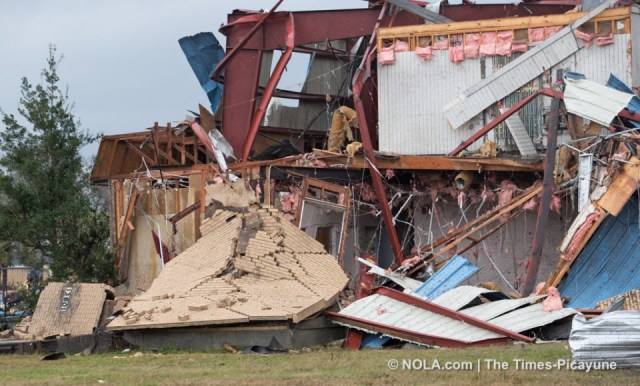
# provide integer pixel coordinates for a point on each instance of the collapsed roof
(246, 267)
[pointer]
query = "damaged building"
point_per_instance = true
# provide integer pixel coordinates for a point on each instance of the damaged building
(438, 173)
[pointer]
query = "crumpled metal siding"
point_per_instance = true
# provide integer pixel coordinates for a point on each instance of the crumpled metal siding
(610, 262)
(399, 314)
(611, 337)
(204, 52)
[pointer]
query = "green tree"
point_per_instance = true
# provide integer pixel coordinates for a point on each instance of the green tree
(46, 201)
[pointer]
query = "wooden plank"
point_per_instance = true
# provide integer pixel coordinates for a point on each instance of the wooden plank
(564, 264)
(622, 187)
(409, 162)
(497, 24)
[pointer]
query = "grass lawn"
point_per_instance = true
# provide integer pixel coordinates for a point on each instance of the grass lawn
(318, 366)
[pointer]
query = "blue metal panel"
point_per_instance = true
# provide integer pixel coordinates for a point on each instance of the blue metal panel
(203, 53)
(454, 272)
(615, 83)
(610, 262)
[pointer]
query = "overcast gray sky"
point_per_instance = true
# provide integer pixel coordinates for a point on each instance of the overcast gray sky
(122, 62)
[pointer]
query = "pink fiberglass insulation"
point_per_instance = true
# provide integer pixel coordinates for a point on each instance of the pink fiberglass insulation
(604, 40)
(386, 56)
(456, 54)
(471, 45)
(441, 44)
(424, 53)
(579, 235)
(586, 38)
(553, 302)
(488, 45)
(555, 204)
(536, 35)
(400, 46)
(503, 46)
(519, 47)
(550, 31)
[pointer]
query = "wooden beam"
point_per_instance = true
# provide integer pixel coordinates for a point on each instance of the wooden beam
(502, 24)
(407, 162)
(140, 153)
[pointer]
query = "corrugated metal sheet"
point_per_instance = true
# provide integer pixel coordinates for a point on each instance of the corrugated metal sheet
(610, 262)
(593, 100)
(528, 66)
(327, 75)
(411, 95)
(459, 297)
(618, 84)
(203, 53)
(611, 337)
(530, 317)
(488, 311)
(402, 315)
(454, 272)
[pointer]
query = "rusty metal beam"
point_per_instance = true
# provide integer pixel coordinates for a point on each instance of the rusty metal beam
(503, 117)
(184, 213)
(376, 179)
(438, 309)
(545, 201)
(260, 112)
(227, 58)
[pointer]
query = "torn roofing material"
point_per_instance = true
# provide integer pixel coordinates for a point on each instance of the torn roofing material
(68, 309)
(454, 272)
(593, 100)
(280, 274)
(203, 52)
(610, 337)
(416, 320)
(609, 264)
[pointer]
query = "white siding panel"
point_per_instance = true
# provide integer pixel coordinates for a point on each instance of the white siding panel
(597, 62)
(411, 95)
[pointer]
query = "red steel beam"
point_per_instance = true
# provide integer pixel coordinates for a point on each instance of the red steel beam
(223, 63)
(435, 308)
(259, 114)
(358, 82)
(545, 201)
(501, 118)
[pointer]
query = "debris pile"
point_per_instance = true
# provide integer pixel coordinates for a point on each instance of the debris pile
(246, 267)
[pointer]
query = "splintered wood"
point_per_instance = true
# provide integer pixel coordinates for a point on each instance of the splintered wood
(245, 267)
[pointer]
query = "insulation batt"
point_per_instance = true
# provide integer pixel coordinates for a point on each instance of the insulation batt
(456, 54)
(386, 56)
(400, 46)
(555, 204)
(424, 53)
(507, 189)
(604, 40)
(472, 45)
(488, 46)
(580, 234)
(586, 38)
(536, 35)
(539, 289)
(553, 301)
